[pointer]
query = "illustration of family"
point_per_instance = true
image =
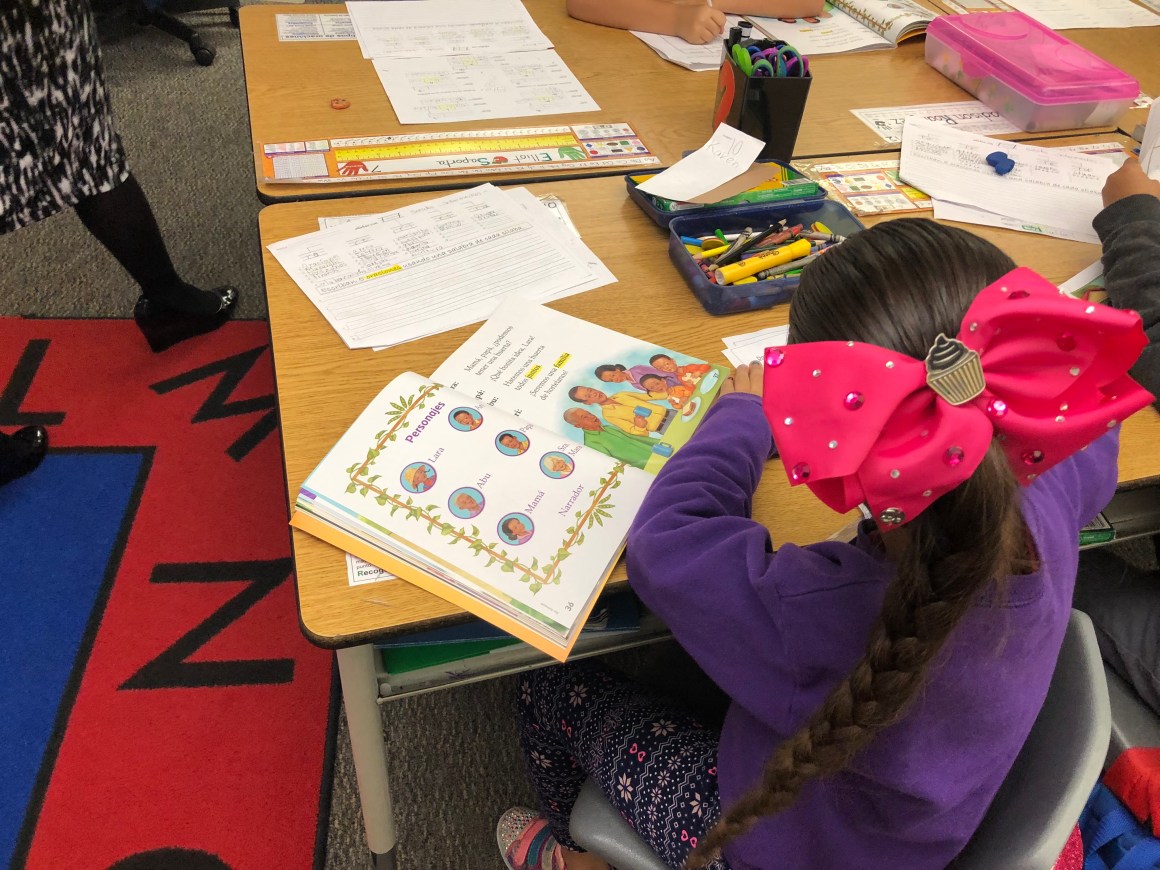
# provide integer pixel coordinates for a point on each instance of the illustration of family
(631, 420)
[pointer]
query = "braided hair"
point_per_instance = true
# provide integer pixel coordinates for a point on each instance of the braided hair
(897, 285)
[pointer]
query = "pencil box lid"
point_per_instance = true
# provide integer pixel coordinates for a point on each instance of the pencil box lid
(1031, 58)
(795, 187)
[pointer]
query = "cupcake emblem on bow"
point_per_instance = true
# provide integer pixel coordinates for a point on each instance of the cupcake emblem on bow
(954, 371)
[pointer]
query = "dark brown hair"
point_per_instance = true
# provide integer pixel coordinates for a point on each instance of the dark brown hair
(896, 285)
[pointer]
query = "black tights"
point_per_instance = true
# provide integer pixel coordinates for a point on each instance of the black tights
(123, 222)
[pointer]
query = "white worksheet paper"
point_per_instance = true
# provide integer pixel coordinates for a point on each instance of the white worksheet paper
(1070, 14)
(438, 89)
(837, 33)
(1150, 145)
(726, 155)
(750, 346)
(1047, 187)
(312, 28)
(430, 267)
(970, 115)
(439, 28)
(969, 214)
(698, 58)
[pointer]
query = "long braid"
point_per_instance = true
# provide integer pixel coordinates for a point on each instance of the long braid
(897, 285)
(938, 579)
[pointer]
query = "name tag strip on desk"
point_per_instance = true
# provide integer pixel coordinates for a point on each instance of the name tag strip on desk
(425, 155)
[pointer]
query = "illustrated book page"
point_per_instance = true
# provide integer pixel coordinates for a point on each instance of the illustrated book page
(498, 515)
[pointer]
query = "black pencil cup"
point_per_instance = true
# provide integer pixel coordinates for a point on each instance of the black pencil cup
(769, 109)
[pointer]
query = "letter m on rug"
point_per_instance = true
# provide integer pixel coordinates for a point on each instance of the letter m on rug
(173, 670)
(218, 405)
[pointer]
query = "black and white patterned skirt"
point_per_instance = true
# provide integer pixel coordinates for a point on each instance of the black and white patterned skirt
(58, 144)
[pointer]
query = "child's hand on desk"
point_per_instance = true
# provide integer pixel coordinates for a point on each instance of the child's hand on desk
(697, 22)
(746, 379)
(1127, 181)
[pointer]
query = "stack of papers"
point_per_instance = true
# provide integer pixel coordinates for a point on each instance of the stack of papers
(698, 58)
(1071, 14)
(386, 279)
(1050, 191)
(458, 60)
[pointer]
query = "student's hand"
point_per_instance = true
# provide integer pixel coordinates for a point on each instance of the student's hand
(746, 379)
(1127, 181)
(640, 422)
(697, 22)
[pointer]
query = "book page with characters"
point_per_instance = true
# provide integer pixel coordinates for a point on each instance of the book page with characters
(510, 512)
(629, 399)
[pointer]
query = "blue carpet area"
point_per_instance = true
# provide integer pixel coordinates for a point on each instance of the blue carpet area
(61, 534)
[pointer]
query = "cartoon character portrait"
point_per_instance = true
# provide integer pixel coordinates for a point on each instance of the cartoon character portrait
(630, 411)
(636, 450)
(418, 477)
(512, 443)
(557, 465)
(465, 419)
(516, 529)
(466, 502)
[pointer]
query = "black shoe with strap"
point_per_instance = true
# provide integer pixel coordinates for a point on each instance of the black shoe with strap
(164, 321)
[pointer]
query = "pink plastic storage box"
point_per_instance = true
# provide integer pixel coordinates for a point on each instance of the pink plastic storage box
(1032, 76)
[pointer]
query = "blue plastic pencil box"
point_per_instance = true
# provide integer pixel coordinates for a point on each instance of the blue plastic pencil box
(793, 187)
(732, 298)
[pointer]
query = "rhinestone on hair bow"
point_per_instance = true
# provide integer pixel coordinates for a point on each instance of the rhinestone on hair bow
(1044, 373)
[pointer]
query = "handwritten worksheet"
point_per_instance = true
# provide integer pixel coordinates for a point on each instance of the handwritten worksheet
(312, 28)
(964, 115)
(726, 155)
(438, 28)
(1048, 186)
(430, 267)
(470, 87)
(1071, 14)
(698, 58)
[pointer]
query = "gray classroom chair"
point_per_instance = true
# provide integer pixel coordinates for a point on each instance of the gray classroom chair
(1030, 818)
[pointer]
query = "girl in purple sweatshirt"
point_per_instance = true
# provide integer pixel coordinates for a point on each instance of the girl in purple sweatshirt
(879, 689)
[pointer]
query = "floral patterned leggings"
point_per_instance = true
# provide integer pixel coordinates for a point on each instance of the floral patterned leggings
(657, 765)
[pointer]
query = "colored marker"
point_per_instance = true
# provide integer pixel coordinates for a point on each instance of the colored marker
(753, 265)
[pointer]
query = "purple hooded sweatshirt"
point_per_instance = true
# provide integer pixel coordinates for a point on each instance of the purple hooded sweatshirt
(778, 630)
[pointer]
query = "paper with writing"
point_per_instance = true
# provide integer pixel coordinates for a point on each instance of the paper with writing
(1071, 14)
(969, 115)
(726, 155)
(437, 89)
(310, 28)
(429, 267)
(439, 28)
(1047, 186)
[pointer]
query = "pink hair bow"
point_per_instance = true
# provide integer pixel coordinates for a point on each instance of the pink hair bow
(1044, 373)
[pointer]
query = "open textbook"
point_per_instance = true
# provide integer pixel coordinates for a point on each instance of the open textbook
(506, 482)
(850, 25)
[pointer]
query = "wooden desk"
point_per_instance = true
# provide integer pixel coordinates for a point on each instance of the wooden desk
(322, 386)
(289, 86)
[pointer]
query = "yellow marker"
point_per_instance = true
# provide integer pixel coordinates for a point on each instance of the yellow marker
(779, 256)
(693, 249)
(749, 280)
(711, 243)
(819, 227)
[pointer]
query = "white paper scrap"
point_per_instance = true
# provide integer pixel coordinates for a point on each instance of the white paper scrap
(1071, 14)
(968, 214)
(439, 89)
(969, 115)
(1047, 187)
(726, 155)
(1084, 280)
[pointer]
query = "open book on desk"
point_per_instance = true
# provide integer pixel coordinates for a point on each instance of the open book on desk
(850, 25)
(507, 481)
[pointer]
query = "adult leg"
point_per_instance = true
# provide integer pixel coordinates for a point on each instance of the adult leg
(655, 763)
(170, 309)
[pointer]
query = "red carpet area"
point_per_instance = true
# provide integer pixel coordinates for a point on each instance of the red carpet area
(162, 709)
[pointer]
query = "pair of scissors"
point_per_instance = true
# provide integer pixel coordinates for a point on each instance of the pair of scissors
(743, 59)
(762, 67)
